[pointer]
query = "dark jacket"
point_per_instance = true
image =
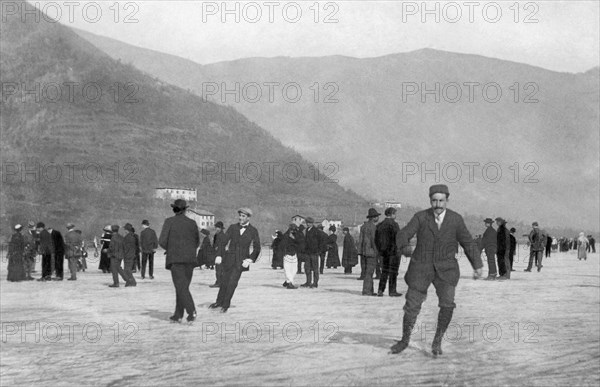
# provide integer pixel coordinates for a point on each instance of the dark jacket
(148, 240)
(490, 238)
(315, 242)
(436, 249)
(291, 242)
(513, 244)
(537, 238)
(385, 237)
(349, 254)
(206, 253)
(129, 246)
(239, 246)
(46, 245)
(73, 243)
(59, 244)
(180, 239)
(116, 250)
(366, 240)
(219, 242)
(502, 239)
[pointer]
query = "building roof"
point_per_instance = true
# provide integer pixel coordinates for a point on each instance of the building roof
(186, 189)
(201, 212)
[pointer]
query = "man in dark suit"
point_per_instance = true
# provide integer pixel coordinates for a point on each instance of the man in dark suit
(314, 244)
(46, 249)
(73, 245)
(219, 242)
(503, 249)
(237, 257)
(149, 244)
(439, 231)
(513, 247)
(59, 253)
(385, 240)
(116, 254)
(489, 242)
(131, 247)
(368, 250)
(180, 239)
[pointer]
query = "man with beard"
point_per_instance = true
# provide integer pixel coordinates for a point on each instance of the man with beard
(180, 239)
(46, 247)
(59, 253)
(439, 231)
(241, 237)
(368, 250)
(489, 242)
(503, 249)
(385, 240)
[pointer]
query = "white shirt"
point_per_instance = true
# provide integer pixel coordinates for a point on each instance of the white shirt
(439, 219)
(243, 228)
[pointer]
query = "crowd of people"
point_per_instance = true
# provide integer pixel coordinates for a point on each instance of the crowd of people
(304, 248)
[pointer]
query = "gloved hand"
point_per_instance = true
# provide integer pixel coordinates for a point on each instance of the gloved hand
(218, 260)
(246, 263)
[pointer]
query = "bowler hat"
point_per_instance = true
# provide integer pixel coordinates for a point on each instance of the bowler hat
(219, 224)
(309, 219)
(145, 222)
(488, 220)
(346, 229)
(180, 203)
(372, 213)
(245, 210)
(501, 220)
(205, 232)
(128, 227)
(439, 188)
(512, 229)
(535, 224)
(40, 225)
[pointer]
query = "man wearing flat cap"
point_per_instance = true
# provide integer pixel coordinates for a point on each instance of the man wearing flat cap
(180, 239)
(490, 243)
(439, 231)
(244, 249)
(503, 249)
(368, 250)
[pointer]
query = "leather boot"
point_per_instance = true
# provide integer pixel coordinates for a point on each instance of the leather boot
(393, 284)
(408, 323)
(444, 318)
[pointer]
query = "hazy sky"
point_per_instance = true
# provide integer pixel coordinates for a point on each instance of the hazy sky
(557, 35)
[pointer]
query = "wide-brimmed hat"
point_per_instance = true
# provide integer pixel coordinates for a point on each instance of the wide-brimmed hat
(219, 224)
(180, 203)
(245, 210)
(488, 220)
(501, 220)
(372, 213)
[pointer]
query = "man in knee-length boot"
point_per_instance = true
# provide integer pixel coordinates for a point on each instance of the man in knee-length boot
(439, 231)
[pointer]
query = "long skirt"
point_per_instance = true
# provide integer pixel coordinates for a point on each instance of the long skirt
(16, 268)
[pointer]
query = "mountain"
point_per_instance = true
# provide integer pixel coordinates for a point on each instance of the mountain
(87, 139)
(532, 153)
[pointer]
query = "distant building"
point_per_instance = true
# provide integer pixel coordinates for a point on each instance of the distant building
(387, 203)
(170, 193)
(298, 217)
(203, 218)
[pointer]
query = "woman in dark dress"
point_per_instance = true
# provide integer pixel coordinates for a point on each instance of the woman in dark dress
(105, 243)
(16, 249)
(349, 253)
(277, 251)
(333, 257)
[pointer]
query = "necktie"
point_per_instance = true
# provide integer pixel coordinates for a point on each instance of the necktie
(438, 221)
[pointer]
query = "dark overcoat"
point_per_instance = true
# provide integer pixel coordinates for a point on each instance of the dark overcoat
(237, 247)
(180, 239)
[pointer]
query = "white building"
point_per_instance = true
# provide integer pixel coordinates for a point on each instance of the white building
(203, 218)
(169, 193)
(392, 203)
(331, 222)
